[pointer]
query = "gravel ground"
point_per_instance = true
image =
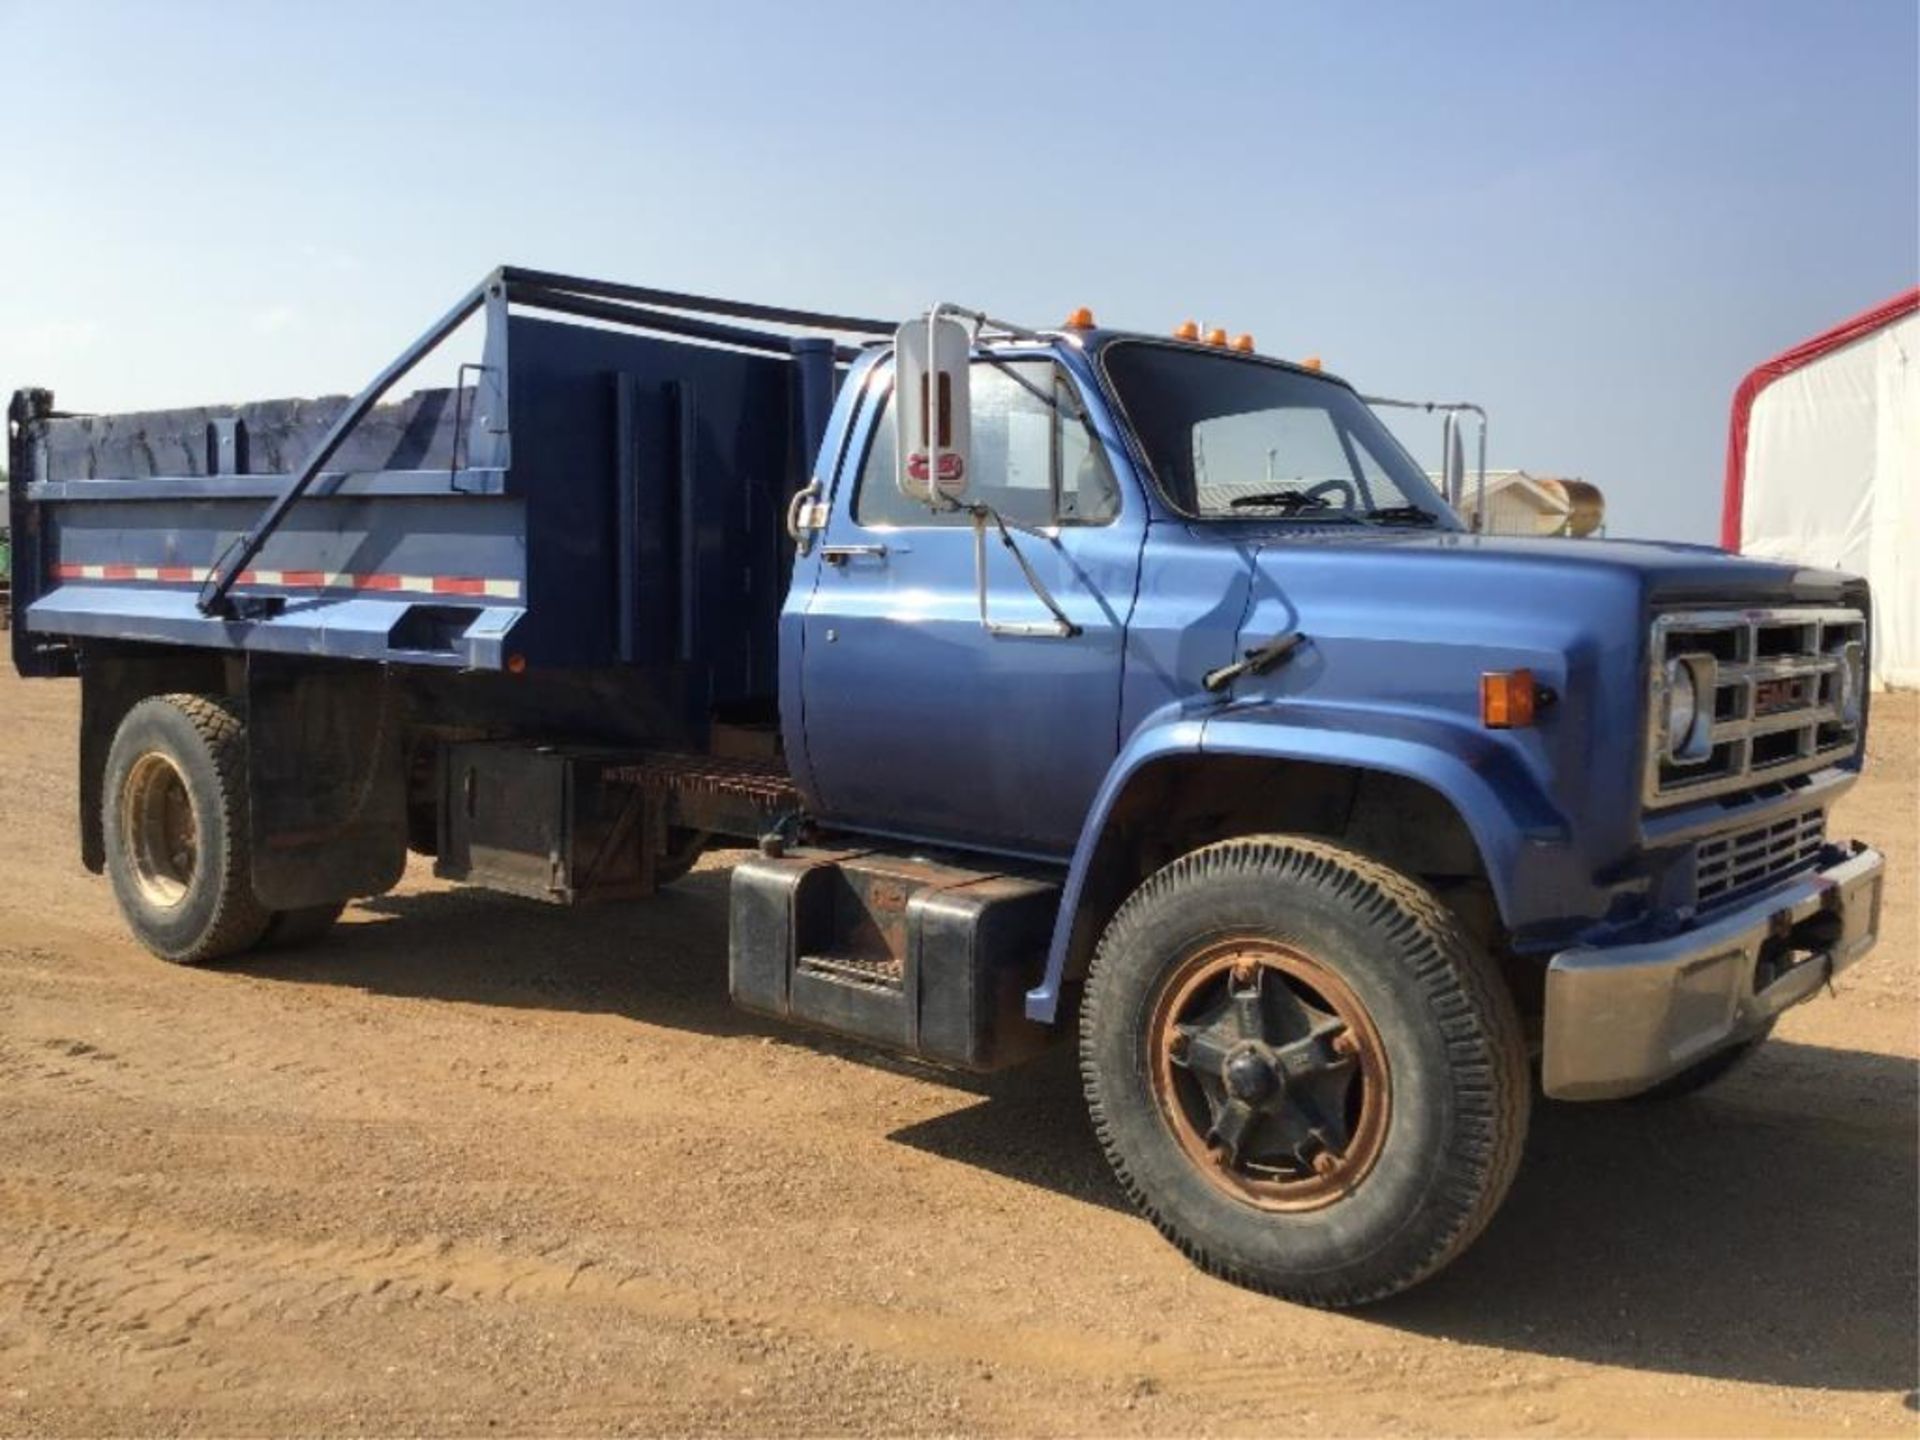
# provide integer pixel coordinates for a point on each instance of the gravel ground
(477, 1166)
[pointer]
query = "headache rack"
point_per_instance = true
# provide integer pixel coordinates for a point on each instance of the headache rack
(600, 300)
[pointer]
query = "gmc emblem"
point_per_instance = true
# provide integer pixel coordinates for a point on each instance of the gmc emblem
(1772, 696)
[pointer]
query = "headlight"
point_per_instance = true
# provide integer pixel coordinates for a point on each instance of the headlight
(1849, 682)
(1686, 730)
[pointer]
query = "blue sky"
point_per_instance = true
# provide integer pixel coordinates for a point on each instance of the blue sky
(1592, 219)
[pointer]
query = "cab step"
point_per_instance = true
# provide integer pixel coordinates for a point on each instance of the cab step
(924, 956)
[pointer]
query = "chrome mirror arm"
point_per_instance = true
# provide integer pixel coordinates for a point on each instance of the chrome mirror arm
(1059, 628)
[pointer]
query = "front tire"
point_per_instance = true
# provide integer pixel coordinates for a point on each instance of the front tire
(174, 813)
(1302, 1070)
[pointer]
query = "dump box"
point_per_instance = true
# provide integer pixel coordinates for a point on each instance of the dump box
(588, 495)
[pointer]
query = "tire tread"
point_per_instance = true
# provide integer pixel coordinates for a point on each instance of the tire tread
(239, 919)
(1477, 1016)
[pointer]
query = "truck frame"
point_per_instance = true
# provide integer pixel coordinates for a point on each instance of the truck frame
(1128, 689)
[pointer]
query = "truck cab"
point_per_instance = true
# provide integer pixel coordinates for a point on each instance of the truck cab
(1183, 505)
(1135, 691)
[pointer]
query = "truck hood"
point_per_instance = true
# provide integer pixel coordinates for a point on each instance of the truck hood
(1664, 573)
(1404, 624)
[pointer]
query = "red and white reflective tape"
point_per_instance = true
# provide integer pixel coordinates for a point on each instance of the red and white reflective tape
(302, 579)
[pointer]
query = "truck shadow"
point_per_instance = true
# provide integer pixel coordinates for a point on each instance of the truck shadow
(663, 961)
(1763, 1233)
(1767, 1232)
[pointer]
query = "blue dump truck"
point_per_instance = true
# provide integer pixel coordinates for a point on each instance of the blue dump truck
(1132, 690)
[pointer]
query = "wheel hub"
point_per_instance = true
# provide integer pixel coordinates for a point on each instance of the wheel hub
(1270, 1073)
(1252, 1076)
(161, 831)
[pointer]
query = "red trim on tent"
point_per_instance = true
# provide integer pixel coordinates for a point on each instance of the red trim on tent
(1785, 363)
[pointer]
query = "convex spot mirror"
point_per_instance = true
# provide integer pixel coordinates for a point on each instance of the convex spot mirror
(932, 420)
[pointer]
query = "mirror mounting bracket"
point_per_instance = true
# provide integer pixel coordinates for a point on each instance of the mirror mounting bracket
(1058, 628)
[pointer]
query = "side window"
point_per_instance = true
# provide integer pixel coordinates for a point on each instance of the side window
(1089, 495)
(1013, 442)
(879, 501)
(1026, 452)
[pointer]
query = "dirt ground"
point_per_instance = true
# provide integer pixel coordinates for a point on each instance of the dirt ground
(476, 1166)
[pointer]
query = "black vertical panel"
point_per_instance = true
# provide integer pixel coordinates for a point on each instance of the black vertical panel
(654, 473)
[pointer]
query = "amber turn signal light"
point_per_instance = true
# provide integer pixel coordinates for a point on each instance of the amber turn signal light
(1506, 699)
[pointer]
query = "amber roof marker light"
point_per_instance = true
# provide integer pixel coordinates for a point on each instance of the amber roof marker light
(1187, 330)
(1080, 319)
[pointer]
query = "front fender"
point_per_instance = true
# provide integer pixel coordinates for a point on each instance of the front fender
(1521, 835)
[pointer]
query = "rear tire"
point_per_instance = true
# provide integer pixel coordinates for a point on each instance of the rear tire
(1302, 1070)
(174, 814)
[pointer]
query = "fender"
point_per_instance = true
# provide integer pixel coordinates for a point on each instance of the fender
(1514, 823)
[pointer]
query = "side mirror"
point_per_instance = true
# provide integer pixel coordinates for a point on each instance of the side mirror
(932, 421)
(1453, 460)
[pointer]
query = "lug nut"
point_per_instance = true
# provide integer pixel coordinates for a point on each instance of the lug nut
(1244, 971)
(1324, 1163)
(1345, 1044)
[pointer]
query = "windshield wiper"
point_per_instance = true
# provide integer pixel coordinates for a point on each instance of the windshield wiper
(1279, 500)
(1402, 515)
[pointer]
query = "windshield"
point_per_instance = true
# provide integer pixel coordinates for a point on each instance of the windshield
(1240, 439)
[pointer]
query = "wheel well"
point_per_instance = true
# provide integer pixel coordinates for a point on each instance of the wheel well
(113, 679)
(1176, 805)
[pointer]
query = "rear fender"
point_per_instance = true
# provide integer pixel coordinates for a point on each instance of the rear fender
(1512, 821)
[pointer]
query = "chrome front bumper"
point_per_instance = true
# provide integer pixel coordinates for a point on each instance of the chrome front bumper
(1620, 1019)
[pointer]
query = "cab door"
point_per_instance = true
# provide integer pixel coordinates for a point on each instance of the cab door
(920, 720)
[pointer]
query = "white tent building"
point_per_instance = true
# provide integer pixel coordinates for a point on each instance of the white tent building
(1823, 467)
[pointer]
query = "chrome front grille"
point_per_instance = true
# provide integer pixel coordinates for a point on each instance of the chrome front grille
(1729, 865)
(1780, 694)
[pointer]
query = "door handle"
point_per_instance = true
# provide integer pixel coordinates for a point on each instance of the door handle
(841, 554)
(805, 515)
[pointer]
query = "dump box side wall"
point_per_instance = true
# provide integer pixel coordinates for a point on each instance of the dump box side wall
(626, 515)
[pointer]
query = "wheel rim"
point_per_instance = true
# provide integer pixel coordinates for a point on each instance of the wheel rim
(1270, 1073)
(160, 832)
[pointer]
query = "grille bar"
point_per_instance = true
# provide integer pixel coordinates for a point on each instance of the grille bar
(1779, 695)
(1741, 860)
